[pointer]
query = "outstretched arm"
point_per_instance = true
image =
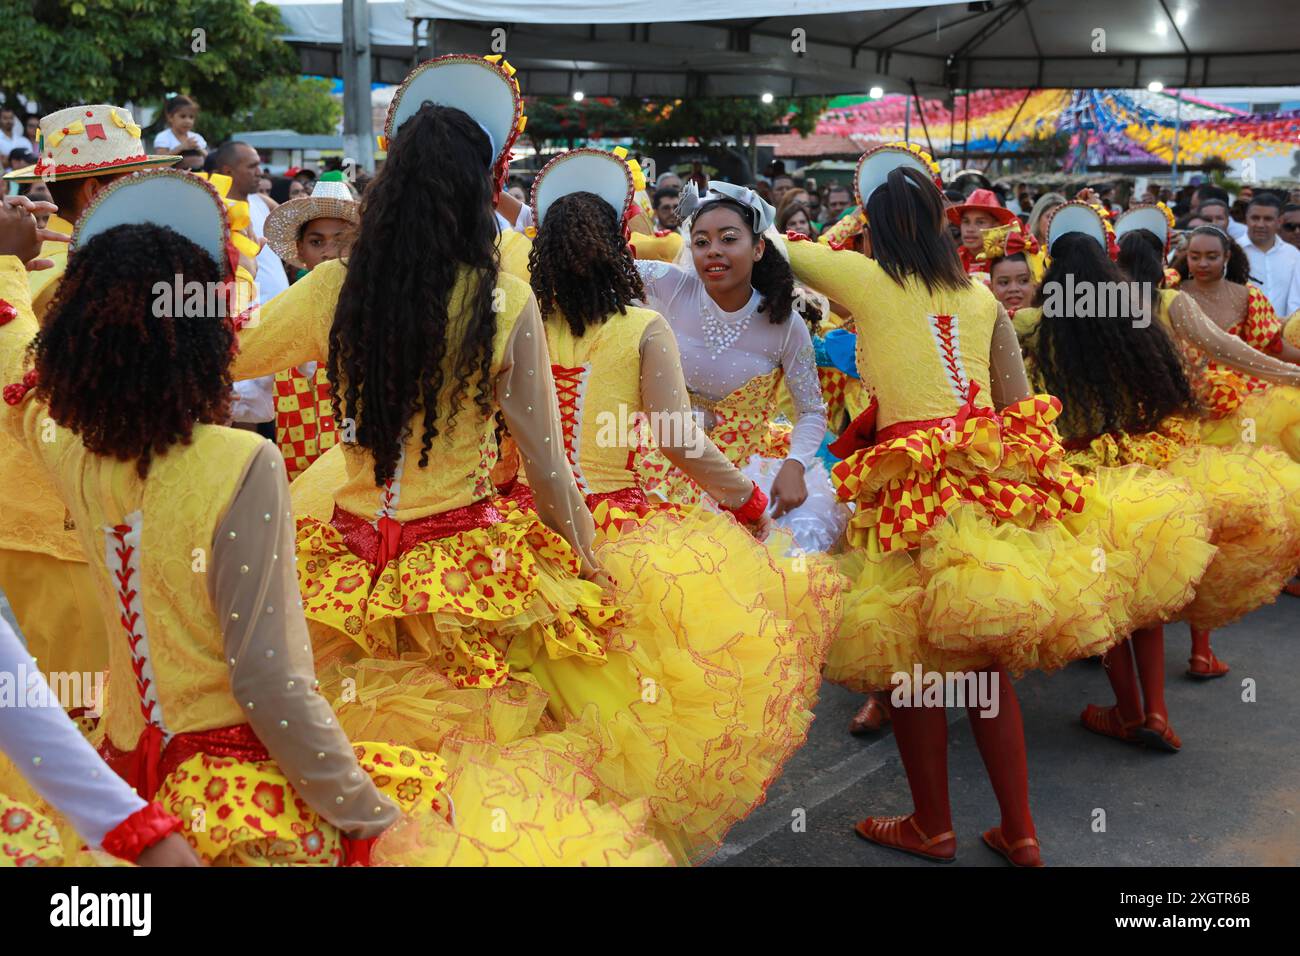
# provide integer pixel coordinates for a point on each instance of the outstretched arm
(1194, 326)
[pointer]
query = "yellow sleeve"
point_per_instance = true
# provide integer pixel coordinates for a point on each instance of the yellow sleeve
(23, 419)
(1026, 321)
(659, 248)
(515, 247)
(839, 274)
(292, 328)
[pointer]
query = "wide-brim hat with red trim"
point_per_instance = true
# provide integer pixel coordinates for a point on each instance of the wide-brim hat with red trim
(483, 86)
(875, 165)
(584, 170)
(162, 197)
(1155, 218)
(329, 199)
(985, 201)
(84, 141)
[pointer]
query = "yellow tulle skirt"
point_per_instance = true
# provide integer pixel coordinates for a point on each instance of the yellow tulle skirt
(979, 546)
(659, 719)
(1268, 416)
(1251, 499)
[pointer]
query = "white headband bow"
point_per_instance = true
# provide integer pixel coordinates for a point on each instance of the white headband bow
(763, 214)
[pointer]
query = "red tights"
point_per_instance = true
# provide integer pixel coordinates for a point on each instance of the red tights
(1140, 692)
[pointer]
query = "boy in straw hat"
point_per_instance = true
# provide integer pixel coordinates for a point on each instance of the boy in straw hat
(43, 571)
(305, 232)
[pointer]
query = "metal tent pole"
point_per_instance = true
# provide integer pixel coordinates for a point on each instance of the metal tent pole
(358, 131)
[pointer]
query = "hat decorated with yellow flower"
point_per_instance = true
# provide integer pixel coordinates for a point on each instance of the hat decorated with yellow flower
(1010, 240)
(877, 163)
(585, 170)
(482, 86)
(84, 141)
(1155, 218)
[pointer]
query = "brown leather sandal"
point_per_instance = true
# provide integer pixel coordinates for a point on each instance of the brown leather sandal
(1156, 732)
(870, 718)
(887, 832)
(996, 842)
(1107, 722)
(1211, 667)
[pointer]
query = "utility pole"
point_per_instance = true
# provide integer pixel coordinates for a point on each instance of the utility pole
(358, 131)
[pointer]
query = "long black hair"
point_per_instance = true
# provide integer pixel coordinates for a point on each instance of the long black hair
(129, 381)
(909, 234)
(772, 276)
(1238, 261)
(426, 221)
(1111, 372)
(579, 263)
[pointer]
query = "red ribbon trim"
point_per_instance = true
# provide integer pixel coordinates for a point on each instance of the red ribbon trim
(378, 544)
(146, 766)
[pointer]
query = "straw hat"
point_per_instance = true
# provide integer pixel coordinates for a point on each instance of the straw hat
(330, 199)
(84, 141)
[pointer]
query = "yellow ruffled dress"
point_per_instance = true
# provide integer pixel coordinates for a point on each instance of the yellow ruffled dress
(974, 543)
(705, 690)
(1245, 409)
(1250, 495)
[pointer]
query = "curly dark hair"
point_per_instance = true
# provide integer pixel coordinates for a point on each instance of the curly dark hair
(580, 264)
(426, 222)
(1238, 261)
(1112, 373)
(131, 383)
(772, 276)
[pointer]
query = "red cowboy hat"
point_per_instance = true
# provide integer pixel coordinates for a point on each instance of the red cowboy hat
(983, 200)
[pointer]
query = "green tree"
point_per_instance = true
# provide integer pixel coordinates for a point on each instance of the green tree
(300, 103)
(63, 52)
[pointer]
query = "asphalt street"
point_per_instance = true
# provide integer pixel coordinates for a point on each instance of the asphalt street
(1230, 797)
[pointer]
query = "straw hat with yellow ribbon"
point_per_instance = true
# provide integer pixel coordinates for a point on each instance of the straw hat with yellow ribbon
(84, 141)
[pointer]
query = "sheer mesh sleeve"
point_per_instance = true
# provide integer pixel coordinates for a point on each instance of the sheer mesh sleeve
(293, 327)
(662, 281)
(526, 393)
(254, 588)
(1193, 325)
(799, 360)
(1006, 363)
(665, 399)
(53, 756)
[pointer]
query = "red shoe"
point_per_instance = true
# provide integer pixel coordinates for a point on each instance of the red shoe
(1156, 732)
(888, 832)
(1208, 669)
(1107, 722)
(870, 718)
(1293, 588)
(996, 842)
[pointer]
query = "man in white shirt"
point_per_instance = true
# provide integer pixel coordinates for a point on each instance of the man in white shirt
(11, 133)
(1274, 264)
(255, 398)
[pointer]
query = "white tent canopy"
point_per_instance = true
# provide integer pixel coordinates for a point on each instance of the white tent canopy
(698, 47)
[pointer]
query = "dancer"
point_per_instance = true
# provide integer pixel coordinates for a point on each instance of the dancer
(42, 570)
(1218, 279)
(63, 769)
(434, 599)
(1249, 490)
(704, 597)
(183, 522)
(731, 316)
(973, 544)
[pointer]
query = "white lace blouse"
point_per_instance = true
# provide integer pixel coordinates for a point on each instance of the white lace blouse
(721, 350)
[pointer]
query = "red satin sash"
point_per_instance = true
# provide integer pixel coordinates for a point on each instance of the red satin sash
(389, 538)
(151, 762)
